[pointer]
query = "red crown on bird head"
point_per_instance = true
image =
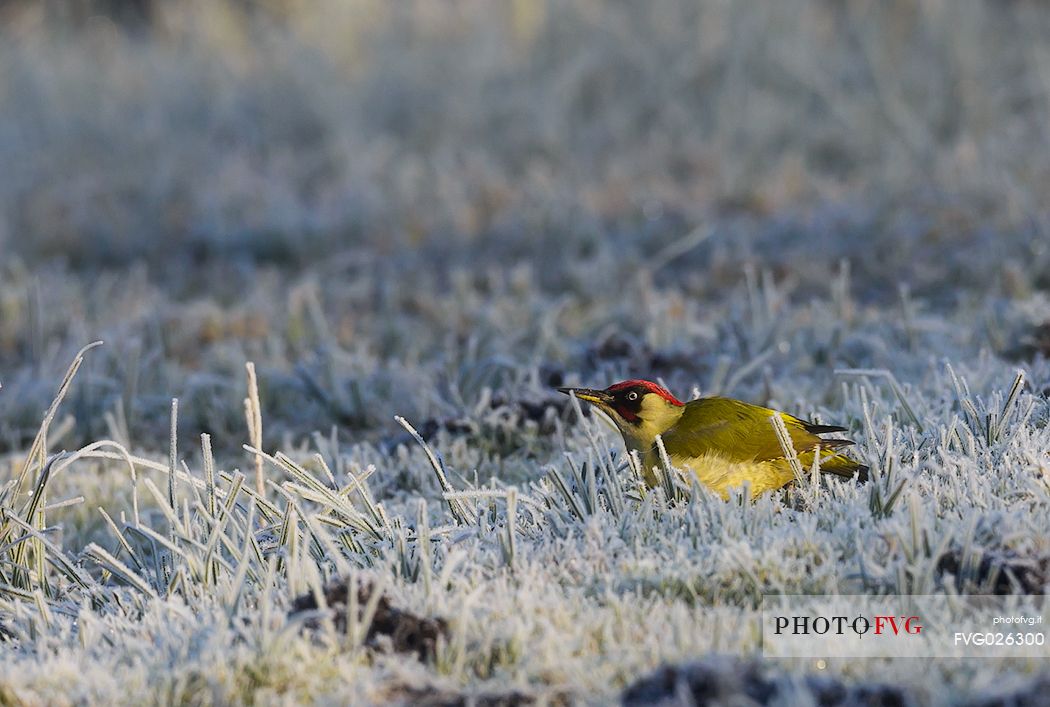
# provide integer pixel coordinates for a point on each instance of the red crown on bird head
(648, 385)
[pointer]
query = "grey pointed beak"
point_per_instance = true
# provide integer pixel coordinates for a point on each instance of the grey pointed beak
(588, 394)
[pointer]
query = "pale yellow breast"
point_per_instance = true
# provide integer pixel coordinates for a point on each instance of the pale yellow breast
(722, 475)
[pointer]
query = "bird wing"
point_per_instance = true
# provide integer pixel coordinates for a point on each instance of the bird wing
(740, 431)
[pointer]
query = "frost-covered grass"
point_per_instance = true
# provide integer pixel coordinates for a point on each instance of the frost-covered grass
(557, 575)
(405, 217)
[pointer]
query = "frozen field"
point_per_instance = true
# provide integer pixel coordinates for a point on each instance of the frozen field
(443, 212)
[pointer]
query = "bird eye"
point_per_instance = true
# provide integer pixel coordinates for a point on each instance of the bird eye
(633, 395)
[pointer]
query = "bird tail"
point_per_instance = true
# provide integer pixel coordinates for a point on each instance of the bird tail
(837, 463)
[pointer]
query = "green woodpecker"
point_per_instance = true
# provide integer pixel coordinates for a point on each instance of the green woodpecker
(726, 443)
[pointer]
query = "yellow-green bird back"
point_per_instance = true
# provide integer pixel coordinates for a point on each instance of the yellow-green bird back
(725, 443)
(728, 442)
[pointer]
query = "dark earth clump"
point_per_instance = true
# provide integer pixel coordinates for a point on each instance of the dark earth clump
(1000, 573)
(392, 628)
(1033, 344)
(722, 680)
(434, 697)
(638, 356)
(1035, 694)
(714, 681)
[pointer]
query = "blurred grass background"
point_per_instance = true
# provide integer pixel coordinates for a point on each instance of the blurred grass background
(286, 130)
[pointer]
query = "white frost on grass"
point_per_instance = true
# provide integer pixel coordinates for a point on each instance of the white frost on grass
(601, 584)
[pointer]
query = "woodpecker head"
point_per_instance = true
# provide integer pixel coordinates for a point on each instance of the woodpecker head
(640, 409)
